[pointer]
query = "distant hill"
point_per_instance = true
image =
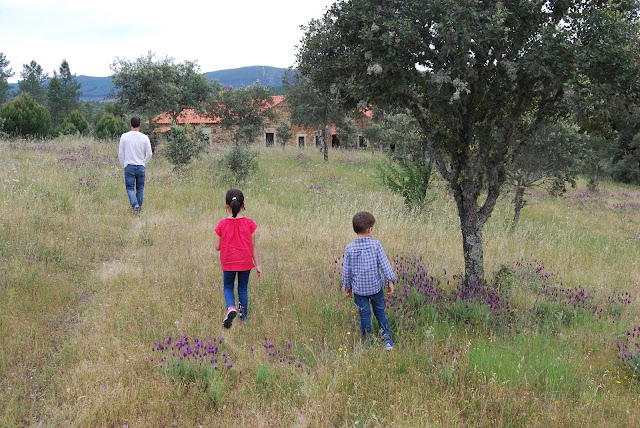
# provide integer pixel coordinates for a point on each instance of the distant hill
(98, 88)
(247, 76)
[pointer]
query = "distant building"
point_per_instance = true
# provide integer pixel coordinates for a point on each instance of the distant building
(301, 137)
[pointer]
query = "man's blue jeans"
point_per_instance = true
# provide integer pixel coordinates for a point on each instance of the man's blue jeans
(134, 183)
(228, 279)
(365, 303)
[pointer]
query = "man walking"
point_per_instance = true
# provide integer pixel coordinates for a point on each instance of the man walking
(134, 153)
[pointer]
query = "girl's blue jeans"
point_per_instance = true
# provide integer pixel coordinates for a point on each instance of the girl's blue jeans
(365, 304)
(228, 280)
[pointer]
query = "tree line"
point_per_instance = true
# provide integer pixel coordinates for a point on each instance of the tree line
(47, 106)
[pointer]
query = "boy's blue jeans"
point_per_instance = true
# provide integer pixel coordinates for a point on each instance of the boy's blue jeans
(228, 280)
(365, 303)
(134, 183)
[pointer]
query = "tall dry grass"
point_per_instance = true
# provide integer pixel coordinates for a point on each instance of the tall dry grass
(86, 289)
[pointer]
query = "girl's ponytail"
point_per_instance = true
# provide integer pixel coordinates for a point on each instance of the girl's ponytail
(235, 199)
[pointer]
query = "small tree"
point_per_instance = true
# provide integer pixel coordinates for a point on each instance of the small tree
(32, 83)
(75, 123)
(24, 117)
(155, 86)
(399, 136)
(5, 74)
(110, 126)
(184, 144)
(63, 94)
(311, 107)
(284, 133)
(240, 161)
(242, 111)
(549, 160)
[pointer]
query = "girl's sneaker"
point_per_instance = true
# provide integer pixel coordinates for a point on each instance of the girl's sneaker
(228, 318)
(389, 345)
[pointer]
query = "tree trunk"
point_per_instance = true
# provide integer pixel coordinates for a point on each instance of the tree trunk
(472, 244)
(325, 146)
(518, 203)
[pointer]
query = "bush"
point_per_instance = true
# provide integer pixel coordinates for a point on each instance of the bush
(23, 116)
(110, 126)
(240, 161)
(409, 180)
(184, 144)
(74, 123)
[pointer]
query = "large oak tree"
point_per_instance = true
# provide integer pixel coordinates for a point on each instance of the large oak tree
(478, 76)
(151, 86)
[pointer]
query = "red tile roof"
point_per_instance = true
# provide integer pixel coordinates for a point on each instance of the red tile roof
(193, 117)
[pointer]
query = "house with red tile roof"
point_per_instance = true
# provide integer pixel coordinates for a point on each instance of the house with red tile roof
(302, 137)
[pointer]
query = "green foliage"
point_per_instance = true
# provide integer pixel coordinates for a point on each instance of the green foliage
(110, 126)
(284, 133)
(153, 87)
(239, 162)
(5, 73)
(478, 77)
(625, 158)
(63, 94)
(408, 180)
(311, 107)
(184, 144)
(32, 83)
(398, 135)
(23, 116)
(116, 108)
(549, 159)
(243, 110)
(75, 123)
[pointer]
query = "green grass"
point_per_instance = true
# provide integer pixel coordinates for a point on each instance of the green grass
(86, 289)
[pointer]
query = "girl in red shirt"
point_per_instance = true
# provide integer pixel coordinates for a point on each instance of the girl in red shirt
(238, 255)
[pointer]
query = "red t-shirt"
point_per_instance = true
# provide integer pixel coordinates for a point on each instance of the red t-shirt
(236, 245)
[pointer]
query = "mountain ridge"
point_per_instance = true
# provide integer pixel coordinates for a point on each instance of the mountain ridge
(99, 88)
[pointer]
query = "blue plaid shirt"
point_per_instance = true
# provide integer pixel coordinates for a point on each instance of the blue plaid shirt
(365, 267)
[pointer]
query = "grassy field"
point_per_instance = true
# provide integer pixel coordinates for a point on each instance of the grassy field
(93, 301)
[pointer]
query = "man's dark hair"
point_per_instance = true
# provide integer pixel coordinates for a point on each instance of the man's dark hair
(362, 221)
(135, 122)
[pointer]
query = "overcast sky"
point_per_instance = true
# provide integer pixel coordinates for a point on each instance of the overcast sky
(90, 34)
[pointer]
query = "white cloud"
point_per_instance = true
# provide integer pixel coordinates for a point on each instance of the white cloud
(90, 35)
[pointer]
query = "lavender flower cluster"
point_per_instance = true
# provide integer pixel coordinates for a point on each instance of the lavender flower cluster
(278, 354)
(416, 288)
(199, 352)
(534, 274)
(629, 351)
(71, 157)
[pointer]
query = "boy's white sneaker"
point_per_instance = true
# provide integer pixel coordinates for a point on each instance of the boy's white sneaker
(229, 316)
(389, 345)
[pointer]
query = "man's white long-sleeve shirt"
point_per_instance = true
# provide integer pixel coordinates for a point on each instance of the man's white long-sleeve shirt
(135, 149)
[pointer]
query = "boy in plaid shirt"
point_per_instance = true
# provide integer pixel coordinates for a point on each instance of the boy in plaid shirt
(365, 269)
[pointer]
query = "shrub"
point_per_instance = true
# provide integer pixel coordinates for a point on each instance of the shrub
(240, 161)
(74, 123)
(24, 117)
(184, 144)
(110, 126)
(408, 180)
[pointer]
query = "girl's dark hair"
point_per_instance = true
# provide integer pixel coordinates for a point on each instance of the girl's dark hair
(235, 199)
